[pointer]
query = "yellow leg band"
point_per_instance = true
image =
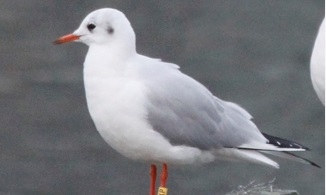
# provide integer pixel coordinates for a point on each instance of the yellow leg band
(162, 191)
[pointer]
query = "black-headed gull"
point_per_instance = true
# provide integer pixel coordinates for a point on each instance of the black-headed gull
(149, 110)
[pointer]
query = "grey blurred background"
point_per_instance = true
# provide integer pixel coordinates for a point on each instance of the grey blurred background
(255, 53)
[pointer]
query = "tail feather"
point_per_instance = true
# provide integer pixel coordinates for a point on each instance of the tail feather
(234, 154)
(292, 157)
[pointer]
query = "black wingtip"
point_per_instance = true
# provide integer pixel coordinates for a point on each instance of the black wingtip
(315, 165)
(283, 143)
(306, 160)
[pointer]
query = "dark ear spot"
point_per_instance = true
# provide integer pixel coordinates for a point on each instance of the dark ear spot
(110, 30)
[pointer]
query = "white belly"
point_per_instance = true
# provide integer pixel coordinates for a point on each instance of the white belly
(116, 108)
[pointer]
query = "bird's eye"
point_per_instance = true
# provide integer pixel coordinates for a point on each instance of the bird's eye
(91, 26)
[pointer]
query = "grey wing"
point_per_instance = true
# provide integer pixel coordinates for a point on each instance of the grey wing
(186, 113)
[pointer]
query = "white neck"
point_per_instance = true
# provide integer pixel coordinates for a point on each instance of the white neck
(105, 72)
(107, 61)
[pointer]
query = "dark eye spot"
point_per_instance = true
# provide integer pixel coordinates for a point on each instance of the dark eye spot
(110, 30)
(91, 26)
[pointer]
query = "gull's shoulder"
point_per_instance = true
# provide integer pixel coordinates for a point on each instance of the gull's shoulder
(151, 64)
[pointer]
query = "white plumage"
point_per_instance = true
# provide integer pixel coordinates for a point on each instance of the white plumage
(317, 64)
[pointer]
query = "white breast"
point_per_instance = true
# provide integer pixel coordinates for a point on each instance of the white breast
(115, 99)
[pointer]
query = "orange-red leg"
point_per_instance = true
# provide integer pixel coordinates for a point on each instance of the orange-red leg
(153, 180)
(164, 175)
